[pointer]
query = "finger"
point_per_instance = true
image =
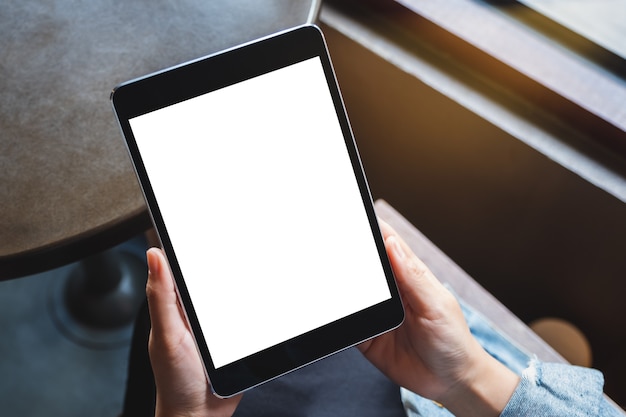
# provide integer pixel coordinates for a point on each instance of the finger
(404, 261)
(165, 314)
(417, 284)
(388, 231)
(385, 229)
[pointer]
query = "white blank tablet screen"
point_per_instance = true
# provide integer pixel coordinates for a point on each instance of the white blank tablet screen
(259, 198)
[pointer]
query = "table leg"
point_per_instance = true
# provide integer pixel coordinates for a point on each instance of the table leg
(97, 301)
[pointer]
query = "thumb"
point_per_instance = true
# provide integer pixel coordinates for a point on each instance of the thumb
(165, 313)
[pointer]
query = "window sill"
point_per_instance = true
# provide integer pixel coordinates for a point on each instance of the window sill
(562, 104)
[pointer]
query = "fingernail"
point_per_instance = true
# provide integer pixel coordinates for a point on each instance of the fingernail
(397, 248)
(153, 262)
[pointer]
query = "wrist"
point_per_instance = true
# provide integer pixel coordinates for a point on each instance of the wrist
(164, 411)
(484, 389)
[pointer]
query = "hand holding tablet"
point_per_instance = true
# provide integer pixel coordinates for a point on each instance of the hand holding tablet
(178, 372)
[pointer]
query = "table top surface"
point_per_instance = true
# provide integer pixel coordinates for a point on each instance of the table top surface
(67, 187)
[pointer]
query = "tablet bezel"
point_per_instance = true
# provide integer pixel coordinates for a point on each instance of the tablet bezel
(189, 80)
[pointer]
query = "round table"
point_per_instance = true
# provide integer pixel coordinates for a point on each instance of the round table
(67, 188)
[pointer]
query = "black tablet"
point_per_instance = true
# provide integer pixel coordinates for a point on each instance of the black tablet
(255, 187)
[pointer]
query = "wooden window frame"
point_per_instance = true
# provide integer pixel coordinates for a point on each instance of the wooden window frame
(566, 87)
